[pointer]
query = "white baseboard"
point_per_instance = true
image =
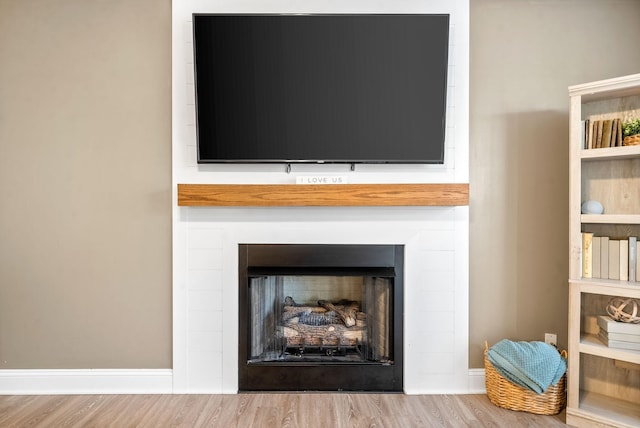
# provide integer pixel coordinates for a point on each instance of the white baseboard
(476, 381)
(120, 381)
(99, 381)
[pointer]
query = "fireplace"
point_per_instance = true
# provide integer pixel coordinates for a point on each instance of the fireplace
(435, 273)
(320, 317)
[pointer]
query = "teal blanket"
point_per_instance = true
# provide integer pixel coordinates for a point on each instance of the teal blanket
(532, 365)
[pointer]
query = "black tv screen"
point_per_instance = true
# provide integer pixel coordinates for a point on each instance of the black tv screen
(321, 88)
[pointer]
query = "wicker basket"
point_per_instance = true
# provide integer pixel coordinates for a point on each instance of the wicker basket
(632, 140)
(506, 394)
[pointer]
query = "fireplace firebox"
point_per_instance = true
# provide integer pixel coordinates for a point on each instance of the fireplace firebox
(320, 317)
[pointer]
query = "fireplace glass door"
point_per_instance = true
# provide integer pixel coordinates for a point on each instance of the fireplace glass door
(321, 319)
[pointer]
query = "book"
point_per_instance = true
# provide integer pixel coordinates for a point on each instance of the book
(604, 257)
(587, 254)
(622, 337)
(637, 260)
(619, 134)
(614, 132)
(606, 133)
(624, 260)
(609, 325)
(614, 259)
(634, 346)
(633, 258)
(590, 135)
(595, 257)
(598, 136)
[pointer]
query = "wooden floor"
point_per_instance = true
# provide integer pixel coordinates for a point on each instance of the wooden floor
(264, 410)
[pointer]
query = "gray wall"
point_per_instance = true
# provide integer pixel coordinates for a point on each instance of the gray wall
(85, 172)
(524, 54)
(85, 180)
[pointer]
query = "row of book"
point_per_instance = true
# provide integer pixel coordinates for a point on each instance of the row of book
(602, 133)
(607, 258)
(621, 335)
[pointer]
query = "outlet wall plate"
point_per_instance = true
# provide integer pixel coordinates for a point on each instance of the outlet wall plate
(551, 339)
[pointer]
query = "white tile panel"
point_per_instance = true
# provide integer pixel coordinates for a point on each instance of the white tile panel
(434, 280)
(436, 301)
(205, 300)
(204, 279)
(204, 321)
(440, 239)
(437, 363)
(437, 260)
(206, 341)
(200, 237)
(437, 342)
(204, 258)
(441, 322)
(205, 372)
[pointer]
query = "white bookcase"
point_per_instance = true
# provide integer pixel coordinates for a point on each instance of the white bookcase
(603, 383)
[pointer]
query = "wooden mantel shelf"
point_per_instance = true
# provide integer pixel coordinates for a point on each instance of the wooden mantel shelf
(344, 195)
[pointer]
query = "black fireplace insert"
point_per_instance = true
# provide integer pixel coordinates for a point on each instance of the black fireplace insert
(320, 317)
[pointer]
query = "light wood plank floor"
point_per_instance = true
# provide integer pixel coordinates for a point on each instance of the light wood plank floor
(264, 410)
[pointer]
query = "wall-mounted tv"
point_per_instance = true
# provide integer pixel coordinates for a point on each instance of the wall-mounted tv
(349, 88)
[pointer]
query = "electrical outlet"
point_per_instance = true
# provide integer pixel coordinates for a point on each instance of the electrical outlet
(551, 339)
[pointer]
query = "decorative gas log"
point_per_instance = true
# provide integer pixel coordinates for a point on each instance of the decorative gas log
(295, 311)
(325, 325)
(347, 311)
(330, 335)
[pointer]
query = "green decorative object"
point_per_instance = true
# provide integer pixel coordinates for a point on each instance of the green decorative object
(631, 132)
(631, 127)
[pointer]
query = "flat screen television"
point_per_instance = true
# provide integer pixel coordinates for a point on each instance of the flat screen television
(348, 88)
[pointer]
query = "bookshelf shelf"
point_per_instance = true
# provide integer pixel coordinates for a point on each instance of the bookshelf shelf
(596, 407)
(610, 218)
(624, 152)
(608, 287)
(603, 383)
(590, 344)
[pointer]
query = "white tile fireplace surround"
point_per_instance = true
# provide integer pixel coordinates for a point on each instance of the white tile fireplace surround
(205, 239)
(435, 293)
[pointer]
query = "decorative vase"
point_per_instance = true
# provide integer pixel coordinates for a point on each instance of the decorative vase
(592, 207)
